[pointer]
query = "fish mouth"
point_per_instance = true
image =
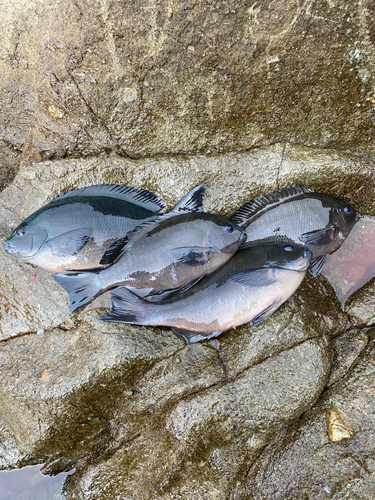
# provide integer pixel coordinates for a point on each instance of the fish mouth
(9, 247)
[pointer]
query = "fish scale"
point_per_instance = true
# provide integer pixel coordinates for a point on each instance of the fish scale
(247, 288)
(298, 215)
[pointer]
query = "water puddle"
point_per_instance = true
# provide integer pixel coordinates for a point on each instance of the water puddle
(29, 483)
(353, 264)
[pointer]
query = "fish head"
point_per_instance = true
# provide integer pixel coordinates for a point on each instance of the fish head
(344, 217)
(289, 256)
(26, 240)
(226, 237)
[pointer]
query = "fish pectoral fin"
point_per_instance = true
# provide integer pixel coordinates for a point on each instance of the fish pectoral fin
(166, 294)
(191, 202)
(114, 251)
(191, 337)
(192, 256)
(266, 313)
(69, 243)
(255, 278)
(317, 264)
(319, 237)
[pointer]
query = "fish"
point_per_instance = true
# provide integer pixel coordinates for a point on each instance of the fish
(299, 216)
(74, 230)
(165, 253)
(247, 289)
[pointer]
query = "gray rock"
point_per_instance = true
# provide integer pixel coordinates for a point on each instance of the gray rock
(60, 389)
(346, 350)
(210, 77)
(303, 463)
(115, 400)
(361, 306)
(208, 438)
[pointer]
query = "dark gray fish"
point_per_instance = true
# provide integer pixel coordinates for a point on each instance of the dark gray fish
(298, 215)
(167, 252)
(249, 288)
(74, 230)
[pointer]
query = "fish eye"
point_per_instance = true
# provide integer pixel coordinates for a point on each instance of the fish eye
(347, 210)
(229, 228)
(288, 248)
(21, 231)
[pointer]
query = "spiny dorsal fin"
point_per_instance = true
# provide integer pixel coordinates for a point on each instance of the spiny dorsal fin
(253, 207)
(138, 196)
(191, 202)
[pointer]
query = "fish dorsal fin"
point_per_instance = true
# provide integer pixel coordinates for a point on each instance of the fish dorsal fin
(138, 196)
(253, 207)
(191, 202)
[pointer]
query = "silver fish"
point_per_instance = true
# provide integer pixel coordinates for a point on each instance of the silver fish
(249, 288)
(74, 230)
(300, 216)
(165, 253)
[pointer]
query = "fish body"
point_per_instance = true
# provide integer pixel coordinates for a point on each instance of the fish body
(165, 253)
(300, 216)
(74, 230)
(248, 288)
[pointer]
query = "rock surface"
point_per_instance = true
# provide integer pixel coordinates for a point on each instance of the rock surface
(245, 97)
(135, 408)
(84, 78)
(304, 463)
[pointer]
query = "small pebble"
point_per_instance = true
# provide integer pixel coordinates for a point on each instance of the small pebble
(327, 489)
(40, 331)
(171, 182)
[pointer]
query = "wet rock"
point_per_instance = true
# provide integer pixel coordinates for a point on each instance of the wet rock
(115, 399)
(9, 454)
(208, 438)
(361, 306)
(60, 389)
(184, 78)
(346, 350)
(304, 463)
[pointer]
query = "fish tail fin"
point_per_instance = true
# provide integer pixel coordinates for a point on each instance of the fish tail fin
(82, 288)
(127, 307)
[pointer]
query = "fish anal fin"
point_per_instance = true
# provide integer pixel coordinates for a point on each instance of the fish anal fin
(192, 256)
(69, 243)
(266, 313)
(255, 278)
(317, 264)
(319, 237)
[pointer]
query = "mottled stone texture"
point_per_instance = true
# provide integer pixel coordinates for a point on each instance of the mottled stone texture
(168, 77)
(135, 410)
(245, 97)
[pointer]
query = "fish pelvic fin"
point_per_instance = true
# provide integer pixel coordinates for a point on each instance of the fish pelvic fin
(191, 202)
(243, 216)
(127, 307)
(138, 196)
(317, 264)
(82, 288)
(191, 337)
(266, 313)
